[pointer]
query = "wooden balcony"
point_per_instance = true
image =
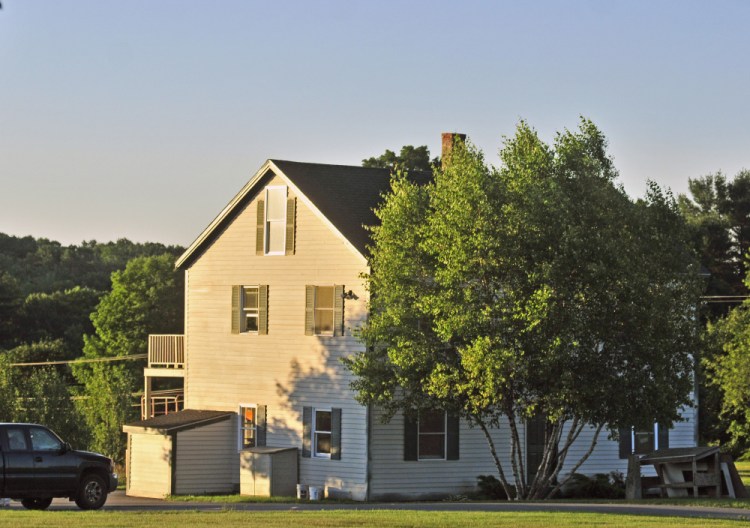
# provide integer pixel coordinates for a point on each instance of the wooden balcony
(166, 351)
(161, 403)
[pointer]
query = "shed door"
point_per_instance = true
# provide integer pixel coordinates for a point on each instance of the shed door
(150, 470)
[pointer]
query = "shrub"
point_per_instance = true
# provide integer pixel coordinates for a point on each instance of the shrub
(600, 486)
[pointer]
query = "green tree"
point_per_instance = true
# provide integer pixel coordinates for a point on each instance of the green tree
(410, 158)
(727, 365)
(717, 211)
(538, 288)
(44, 397)
(8, 403)
(147, 297)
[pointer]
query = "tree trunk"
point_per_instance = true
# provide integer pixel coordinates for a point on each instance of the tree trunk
(506, 487)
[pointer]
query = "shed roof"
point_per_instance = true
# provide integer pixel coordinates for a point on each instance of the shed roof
(178, 421)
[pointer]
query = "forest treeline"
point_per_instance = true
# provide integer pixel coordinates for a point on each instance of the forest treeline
(50, 295)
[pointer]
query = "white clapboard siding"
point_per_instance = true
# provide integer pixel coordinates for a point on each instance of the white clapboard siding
(204, 459)
(150, 465)
(606, 456)
(284, 370)
(394, 478)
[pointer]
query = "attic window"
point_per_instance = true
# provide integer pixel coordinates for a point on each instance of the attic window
(275, 221)
(275, 228)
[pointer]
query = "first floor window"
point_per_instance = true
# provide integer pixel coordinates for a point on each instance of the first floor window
(322, 433)
(252, 425)
(248, 426)
(432, 435)
(643, 441)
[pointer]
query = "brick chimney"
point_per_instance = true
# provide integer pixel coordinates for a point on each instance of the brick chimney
(448, 141)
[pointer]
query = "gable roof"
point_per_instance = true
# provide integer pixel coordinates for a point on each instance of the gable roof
(344, 195)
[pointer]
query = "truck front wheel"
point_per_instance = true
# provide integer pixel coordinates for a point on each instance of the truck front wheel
(36, 504)
(92, 493)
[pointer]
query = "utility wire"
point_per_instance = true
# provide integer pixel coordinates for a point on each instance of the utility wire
(77, 361)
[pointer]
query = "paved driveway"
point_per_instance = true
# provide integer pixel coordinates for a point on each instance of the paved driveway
(118, 501)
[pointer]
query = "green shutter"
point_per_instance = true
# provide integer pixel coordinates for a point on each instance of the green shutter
(411, 438)
(309, 310)
(260, 426)
(262, 309)
(260, 229)
(306, 431)
(452, 427)
(626, 445)
(338, 310)
(335, 434)
(663, 436)
(236, 309)
(291, 210)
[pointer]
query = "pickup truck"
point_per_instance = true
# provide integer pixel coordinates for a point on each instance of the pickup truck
(36, 465)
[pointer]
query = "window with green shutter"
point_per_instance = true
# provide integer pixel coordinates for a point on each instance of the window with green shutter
(276, 216)
(250, 309)
(324, 310)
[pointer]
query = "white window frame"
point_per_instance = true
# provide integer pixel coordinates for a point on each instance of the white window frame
(241, 425)
(444, 435)
(314, 432)
(316, 309)
(244, 308)
(266, 221)
(654, 431)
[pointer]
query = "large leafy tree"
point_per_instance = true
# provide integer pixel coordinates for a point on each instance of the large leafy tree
(727, 365)
(717, 210)
(147, 297)
(410, 158)
(539, 288)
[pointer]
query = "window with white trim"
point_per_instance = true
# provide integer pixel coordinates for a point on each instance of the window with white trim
(432, 435)
(248, 426)
(275, 221)
(250, 304)
(321, 433)
(635, 441)
(324, 310)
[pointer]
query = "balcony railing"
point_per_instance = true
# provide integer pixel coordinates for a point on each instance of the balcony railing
(163, 402)
(166, 351)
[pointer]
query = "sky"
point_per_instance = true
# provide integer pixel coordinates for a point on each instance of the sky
(142, 119)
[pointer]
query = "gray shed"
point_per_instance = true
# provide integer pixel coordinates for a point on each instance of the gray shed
(187, 452)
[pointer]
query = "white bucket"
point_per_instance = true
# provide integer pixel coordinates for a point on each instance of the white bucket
(302, 491)
(315, 493)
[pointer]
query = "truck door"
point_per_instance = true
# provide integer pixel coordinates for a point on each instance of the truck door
(19, 461)
(54, 465)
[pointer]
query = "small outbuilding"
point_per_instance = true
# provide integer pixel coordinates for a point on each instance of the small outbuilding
(187, 452)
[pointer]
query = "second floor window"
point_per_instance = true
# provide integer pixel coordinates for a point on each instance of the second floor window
(250, 308)
(324, 310)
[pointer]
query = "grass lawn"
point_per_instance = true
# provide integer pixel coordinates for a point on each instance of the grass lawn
(381, 519)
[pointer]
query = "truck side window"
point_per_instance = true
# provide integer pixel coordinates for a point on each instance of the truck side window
(17, 440)
(43, 440)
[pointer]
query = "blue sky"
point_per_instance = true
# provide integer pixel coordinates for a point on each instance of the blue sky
(141, 119)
